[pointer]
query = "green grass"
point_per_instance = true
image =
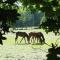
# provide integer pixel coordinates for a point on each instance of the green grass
(10, 51)
(50, 38)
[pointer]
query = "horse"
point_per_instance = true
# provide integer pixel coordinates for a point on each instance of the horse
(23, 35)
(38, 35)
(41, 36)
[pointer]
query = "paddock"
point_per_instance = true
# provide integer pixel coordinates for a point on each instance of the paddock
(11, 51)
(49, 38)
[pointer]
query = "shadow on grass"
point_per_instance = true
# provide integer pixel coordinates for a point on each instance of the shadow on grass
(37, 44)
(22, 44)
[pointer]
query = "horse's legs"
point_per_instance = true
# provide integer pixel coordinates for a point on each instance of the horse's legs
(16, 39)
(25, 40)
(44, 40)
(21, 39)
(33, 40)
(37, 39)
(40, 40)
(28, 39)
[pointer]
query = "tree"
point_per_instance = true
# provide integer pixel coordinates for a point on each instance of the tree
(51, 8)
(8, 11)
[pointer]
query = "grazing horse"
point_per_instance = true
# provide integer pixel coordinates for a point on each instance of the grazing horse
(38, 35)
(23, 35)
(41, 36)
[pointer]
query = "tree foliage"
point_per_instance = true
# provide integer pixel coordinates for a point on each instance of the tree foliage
(8, 11)
(51, 8)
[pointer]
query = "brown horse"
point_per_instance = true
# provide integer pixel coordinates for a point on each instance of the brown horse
(23, 35)
(41, 36)
(38, 35)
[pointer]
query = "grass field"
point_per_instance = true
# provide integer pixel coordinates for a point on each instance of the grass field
(22, 51)
(49, 38)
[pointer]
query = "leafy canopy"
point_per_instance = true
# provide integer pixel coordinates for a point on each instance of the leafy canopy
(51, 8)
(8, 11)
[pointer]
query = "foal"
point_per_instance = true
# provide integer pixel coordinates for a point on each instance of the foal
(38, 35)
(23, 35)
